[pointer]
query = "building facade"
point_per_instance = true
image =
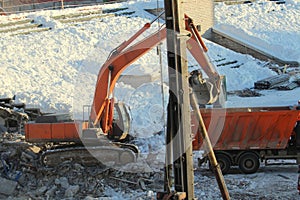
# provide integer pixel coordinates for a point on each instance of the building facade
(202, 12)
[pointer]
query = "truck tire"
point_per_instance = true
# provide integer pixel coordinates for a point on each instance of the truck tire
(249, 163)
(224, 162)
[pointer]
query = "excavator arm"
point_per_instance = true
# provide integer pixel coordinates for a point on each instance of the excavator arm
(111, 71)
(125, 55)
(207, 89)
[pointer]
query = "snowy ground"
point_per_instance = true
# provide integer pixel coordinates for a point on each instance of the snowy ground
(268, 183)
(56, 70)
(276, 32)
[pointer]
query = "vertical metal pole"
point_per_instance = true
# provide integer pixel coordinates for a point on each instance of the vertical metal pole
(178, 137)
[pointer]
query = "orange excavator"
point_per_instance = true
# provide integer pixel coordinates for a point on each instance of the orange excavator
(104, 137)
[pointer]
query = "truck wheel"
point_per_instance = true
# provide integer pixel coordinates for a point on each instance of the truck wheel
(249, 163)
(224, 162)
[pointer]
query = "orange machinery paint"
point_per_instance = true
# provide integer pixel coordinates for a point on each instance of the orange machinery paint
(247, 128)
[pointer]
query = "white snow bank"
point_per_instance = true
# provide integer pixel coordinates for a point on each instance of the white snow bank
(285, 53)
(56, 70)
(273, 28)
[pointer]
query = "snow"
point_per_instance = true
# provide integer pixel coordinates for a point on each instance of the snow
(276, 32)
(57, 70)
(45, 67)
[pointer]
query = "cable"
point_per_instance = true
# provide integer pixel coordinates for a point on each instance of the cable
(162, 97)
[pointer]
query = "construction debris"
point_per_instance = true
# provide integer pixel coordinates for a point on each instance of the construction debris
(245, 93)
(78, 14)
(232, 64)
(7, 186)
(22, 26)
(14, 115)
(84, 18)
(272, 82)
(297, 78)
(28, 179)
(289, 86)
(22, 175)
(227, 63)
(279, 82)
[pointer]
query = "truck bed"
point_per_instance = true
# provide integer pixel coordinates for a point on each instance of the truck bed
(247, 128)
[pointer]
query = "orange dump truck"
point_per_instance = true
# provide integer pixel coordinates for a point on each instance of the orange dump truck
(244, 137)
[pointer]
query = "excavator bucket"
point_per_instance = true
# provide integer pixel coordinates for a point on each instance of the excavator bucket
(206, 90)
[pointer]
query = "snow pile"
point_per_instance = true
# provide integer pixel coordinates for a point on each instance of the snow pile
(56, 70)
(266, 25)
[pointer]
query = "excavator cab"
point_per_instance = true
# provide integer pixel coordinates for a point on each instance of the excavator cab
(121, 123)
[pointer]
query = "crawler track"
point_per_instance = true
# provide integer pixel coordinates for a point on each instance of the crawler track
(117, 154)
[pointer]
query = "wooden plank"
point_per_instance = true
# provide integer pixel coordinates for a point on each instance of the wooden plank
(227, 63)
(289, 86)
(16, 22)
(114, 10)
(16, 28)
(271, 82)
(72, 15)
(32, 31)
(87, 18)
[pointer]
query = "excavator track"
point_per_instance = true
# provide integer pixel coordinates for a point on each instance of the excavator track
(114, 155)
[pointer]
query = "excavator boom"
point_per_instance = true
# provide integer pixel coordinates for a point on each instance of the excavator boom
(111, 71)
(125, 55)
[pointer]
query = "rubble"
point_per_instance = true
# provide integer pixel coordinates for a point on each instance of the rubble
(288, 86)
(41, 191)
(71, 191)
(63, 182)
(7, 186)
(272, 82)
(24, 177)
(51, 192)
(245, 93)
(279, 82)
(14, 115)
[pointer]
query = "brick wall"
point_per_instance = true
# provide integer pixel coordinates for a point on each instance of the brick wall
(202, 11)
